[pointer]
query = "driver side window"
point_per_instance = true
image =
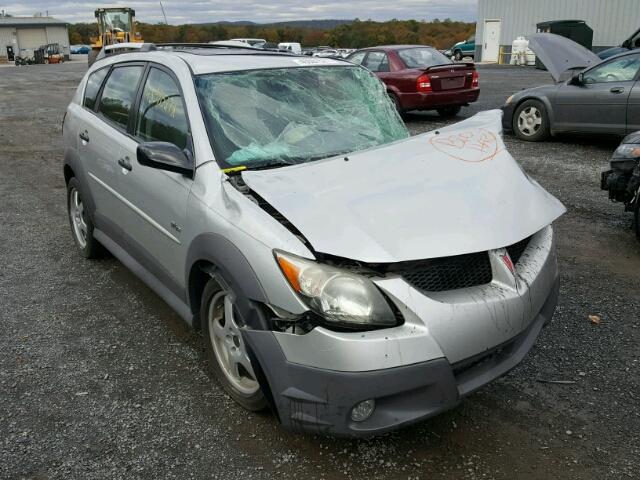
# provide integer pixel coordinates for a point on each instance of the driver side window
(623, 69)
(161, 115)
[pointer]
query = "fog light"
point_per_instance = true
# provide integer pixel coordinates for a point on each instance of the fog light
(363, 410)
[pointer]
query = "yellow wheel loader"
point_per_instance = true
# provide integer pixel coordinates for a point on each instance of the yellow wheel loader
(115, 25)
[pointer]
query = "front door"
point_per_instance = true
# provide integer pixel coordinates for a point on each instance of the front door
(491, 41)
(156, 218)
(599, 104)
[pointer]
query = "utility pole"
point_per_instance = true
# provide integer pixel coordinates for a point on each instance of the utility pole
(164, 14)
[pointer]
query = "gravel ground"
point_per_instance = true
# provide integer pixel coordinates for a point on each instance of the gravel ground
(100, 379)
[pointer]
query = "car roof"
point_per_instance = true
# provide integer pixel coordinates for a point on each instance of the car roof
(210, 58)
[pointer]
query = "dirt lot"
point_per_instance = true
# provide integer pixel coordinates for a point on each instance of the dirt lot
(100, 379)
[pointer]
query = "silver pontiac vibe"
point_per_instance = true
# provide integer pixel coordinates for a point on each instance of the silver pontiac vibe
(351, 277)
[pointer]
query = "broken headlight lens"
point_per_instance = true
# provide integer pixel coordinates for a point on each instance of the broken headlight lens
(340, 297)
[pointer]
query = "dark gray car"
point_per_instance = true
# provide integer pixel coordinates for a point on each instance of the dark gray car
(590, 95)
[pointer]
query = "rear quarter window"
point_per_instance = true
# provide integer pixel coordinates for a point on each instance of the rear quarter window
(119, 93)
(94, 82)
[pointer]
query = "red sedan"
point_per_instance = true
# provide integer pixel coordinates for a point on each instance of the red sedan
(421, 78)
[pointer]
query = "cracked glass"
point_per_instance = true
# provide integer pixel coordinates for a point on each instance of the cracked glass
(295, 115)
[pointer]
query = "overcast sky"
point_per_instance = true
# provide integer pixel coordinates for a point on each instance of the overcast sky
(263, 11)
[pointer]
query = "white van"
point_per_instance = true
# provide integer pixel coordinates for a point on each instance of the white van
(293, 47)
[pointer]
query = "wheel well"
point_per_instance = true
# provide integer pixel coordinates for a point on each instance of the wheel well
(198, 279)
(68, 174)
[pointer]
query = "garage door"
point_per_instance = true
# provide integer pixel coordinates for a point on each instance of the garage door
(31, 37)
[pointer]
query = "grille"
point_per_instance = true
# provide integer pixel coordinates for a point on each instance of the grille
(517, 249)
(449, 273)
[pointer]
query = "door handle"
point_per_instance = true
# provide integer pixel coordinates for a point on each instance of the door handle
(84, 136)
(125, 163)
(617, 89)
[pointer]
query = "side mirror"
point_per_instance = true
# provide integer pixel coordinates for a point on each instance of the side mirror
(165, 156)
(577, 79)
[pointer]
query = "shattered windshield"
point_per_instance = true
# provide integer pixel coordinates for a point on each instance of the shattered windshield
(296, 115)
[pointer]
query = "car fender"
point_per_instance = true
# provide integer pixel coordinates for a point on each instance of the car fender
(222, 260)
(72, 161)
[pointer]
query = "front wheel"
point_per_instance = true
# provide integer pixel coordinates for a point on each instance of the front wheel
(449, 112)
(227, 353)
(530, 121)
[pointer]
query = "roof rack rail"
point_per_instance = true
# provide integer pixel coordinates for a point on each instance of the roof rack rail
(118, 48)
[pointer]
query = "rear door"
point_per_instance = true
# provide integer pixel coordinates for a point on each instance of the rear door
(157, 198)
(599, 105)
(101, 136)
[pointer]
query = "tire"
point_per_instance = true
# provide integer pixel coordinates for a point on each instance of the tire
(81, 225)
(448, 112)
(396, 102)
(91, 57)
(226, 352)
(530, 121)
(457, 56)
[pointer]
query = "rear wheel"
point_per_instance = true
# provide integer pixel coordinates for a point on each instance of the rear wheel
(81, 224)
(396, 102)
(448, 112)
(226, 351)
(530, 121)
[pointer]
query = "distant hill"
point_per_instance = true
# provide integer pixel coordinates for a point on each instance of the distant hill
(326, 24)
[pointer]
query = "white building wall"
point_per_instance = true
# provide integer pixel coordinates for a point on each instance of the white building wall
(612, 21)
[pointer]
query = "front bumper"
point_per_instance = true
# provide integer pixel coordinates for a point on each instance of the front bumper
(507, 115)
(320, 401)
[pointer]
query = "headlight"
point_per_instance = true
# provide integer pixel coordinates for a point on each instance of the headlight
(627, 150)
(341, 298)
(509, 100)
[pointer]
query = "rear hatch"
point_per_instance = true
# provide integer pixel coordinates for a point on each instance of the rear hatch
(455, 76)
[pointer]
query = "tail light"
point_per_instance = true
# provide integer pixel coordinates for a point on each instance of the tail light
(474, 79)
(423, 84)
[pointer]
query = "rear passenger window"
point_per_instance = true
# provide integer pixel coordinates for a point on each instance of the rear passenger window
(119, 93)
(93, 87)
(377, 62)
(161, 115)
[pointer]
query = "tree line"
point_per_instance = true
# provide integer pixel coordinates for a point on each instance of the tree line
(357, 34)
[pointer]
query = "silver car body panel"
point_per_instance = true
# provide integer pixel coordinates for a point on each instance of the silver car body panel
(560, 54)
(449, 192)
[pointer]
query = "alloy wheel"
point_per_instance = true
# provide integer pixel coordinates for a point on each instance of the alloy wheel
(228, 346)
(529, 121)
(78, 219)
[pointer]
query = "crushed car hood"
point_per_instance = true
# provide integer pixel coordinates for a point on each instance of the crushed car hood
(442, 193)
(559, 54)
